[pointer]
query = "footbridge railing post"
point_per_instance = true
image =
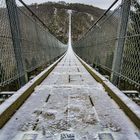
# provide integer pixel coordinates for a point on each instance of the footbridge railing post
(16, 38)
(118, 55)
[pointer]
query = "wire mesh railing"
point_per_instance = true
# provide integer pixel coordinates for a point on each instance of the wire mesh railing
(131, 56)
(25, 44)
(113, 44)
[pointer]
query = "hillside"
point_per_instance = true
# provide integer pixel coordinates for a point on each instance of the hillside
(55, 16)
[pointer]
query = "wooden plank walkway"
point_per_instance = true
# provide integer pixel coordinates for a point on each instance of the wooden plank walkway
(69, 104)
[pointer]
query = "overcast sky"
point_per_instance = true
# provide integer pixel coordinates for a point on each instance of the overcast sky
(104, 4)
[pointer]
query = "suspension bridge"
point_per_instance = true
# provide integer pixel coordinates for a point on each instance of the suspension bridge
(72, 91)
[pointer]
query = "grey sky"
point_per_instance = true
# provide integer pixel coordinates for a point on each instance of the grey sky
(104, 4)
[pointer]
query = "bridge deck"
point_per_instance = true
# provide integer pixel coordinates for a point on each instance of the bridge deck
(69, 100)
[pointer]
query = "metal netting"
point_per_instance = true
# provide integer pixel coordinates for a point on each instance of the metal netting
(99, 46)
(131, 56)
(8, 71)
(25, 44)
